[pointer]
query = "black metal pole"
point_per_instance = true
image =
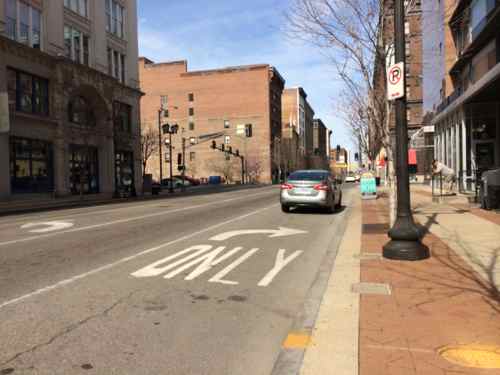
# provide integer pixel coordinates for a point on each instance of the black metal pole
(160, 111)
(242, 170)
(171, 182)
(405, 235)
(183, 162)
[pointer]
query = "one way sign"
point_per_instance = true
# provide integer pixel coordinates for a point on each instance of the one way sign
(396, 81)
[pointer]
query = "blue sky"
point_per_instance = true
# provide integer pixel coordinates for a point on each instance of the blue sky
(217, 33)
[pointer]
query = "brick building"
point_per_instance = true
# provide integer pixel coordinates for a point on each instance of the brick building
(321, 139)
(462, 92)
(221, 101)
(69, 98)
(297, 128)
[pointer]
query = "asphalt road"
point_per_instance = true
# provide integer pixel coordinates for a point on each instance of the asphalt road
(206, 284)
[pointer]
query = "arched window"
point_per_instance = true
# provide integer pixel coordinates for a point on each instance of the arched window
(80, 112)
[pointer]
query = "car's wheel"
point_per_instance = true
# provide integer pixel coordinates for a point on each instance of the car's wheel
(285, 208)
(338, 206)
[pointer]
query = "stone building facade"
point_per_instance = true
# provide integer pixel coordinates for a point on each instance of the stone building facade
(69, 98)
(237, 106)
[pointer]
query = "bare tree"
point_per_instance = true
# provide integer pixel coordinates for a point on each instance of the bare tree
(350, 33)
(253, 168)
(149, 145)
(225, 168)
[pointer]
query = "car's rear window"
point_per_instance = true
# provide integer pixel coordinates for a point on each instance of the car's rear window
(308, 176)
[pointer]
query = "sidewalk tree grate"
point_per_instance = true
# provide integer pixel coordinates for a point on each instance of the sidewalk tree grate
(375, 228)
(371, 288)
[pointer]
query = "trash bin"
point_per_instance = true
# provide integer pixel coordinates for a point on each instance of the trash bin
(489, 189)
(377, 181)
(155, 189)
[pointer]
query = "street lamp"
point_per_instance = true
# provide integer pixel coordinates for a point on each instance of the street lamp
(405, 236)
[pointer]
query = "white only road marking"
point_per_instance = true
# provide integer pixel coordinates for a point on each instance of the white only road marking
(218, 278)
(126, 259)
(51, 226)
(281, 232)
(127, 220)
(279, 264)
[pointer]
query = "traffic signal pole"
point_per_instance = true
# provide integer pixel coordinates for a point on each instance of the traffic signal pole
(183, 188)
(405, 236)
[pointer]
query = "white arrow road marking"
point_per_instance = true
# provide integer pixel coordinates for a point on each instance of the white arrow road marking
(279, 264)
(51, 226)
(281, 232)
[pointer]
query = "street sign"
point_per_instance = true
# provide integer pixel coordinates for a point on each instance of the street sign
(395, 81)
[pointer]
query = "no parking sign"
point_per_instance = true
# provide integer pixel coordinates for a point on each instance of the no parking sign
(396, 81)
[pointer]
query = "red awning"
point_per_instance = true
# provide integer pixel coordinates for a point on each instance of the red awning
(412, 156)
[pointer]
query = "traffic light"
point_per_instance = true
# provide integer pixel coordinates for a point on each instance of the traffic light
(179, 159)
(237, 153)
(222, 147)
(214, 145)
(356, 156)
(248, 130)
(337, 155)
(230, 149)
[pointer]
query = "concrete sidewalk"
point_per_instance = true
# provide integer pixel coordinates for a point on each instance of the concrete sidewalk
(438, 316)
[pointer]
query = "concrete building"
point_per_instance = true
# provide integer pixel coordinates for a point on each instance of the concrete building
(69, 98)
(463, 89)
(242, 105)
(297, 122)
(339, 161)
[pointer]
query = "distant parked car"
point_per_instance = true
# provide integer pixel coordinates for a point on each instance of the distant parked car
(351, 177)
(177, 182)
(192, 180)
(311, 188)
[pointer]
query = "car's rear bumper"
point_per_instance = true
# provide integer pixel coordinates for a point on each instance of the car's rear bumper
(320, 200)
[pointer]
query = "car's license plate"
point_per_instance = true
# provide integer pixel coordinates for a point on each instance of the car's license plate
(301, 191)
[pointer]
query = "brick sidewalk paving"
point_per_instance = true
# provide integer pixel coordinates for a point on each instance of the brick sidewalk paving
(433, 303)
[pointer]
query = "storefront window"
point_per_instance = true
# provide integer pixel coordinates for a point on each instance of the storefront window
(30, 165)
(124, 173)
(83, 170)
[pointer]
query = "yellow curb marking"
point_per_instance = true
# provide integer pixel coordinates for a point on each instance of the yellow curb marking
(477, 356)
(297, 341)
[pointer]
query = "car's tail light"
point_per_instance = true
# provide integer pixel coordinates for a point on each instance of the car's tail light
(286, 187)
(321, 187)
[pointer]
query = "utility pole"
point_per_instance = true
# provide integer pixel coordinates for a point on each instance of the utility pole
(405, 236)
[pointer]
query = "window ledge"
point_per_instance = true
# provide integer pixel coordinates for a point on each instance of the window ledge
(30, 116)
(116, 39)
(81, 19)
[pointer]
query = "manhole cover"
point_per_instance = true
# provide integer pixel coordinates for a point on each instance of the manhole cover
(477, 356)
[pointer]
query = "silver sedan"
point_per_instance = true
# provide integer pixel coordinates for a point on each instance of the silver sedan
(311, 188)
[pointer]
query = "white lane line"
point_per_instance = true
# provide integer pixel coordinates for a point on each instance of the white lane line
(87, 211)
(126, 259)
(121, 221)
